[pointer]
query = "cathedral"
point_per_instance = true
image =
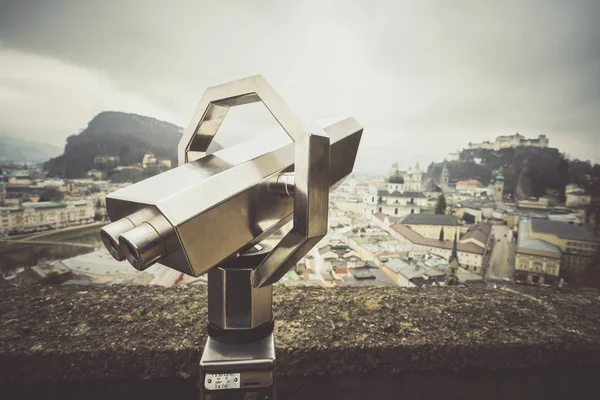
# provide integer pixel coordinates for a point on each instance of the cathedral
(403, 181)
(401, 193)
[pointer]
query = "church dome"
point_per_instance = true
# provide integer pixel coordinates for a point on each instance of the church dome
(396, 178)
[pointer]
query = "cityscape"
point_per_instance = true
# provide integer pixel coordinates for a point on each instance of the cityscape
(284, 200)
(409, 228)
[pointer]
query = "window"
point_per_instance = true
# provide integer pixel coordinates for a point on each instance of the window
(379, 209)
(395, 211)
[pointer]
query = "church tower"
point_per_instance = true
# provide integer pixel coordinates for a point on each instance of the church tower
(499, 186)
(453, 264)
(445, 178)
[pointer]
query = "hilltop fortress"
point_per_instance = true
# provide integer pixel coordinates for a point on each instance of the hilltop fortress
(517, 140)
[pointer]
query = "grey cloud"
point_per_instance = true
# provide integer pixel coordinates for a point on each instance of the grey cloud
(426, 76)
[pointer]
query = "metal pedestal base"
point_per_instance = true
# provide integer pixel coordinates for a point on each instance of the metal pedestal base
(238, 371)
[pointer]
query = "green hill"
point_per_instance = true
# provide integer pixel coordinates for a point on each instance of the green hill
(110, 133)
(528, 171)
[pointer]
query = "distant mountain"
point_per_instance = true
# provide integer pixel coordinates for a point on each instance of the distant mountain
(15, 149)
(528, 171)
(111, 133)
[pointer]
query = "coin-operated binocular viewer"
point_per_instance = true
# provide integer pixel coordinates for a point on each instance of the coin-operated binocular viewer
(211, 213)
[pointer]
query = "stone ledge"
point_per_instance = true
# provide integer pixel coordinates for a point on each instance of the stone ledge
(54, 333)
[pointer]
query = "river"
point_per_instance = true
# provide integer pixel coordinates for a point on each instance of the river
(13, 255)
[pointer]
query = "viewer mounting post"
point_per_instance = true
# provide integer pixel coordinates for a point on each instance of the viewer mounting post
(211, 213)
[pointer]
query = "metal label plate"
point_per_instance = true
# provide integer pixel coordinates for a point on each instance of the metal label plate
(222, 381)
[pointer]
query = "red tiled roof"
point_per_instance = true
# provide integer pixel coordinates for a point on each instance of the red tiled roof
(416, 238)
(380, 216)
(473, 182)
(479, 232)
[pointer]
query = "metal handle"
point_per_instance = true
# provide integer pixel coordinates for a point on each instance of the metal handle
(311, 166)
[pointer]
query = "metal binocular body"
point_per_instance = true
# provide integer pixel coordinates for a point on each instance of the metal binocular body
(215, 207)
(211, 213)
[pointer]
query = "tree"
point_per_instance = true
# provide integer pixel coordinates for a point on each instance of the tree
(51, 193)
(440, 207)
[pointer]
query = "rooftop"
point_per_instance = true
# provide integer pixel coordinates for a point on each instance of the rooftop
(349, 343)
(479, 232)
(472, 182)
(430, 219)
(526, 243)
(564, 230)
(396, 193)
(416, 238)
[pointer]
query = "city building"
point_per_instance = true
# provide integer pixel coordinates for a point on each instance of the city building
(474, 211)
(578, 199)
(96, 174)
(578, 243)
(148, 160)
(469, 186)
(537, 261)
(479, 235)
(414, 273)
(401, 194)
(394, 203)
(511, 141)
(435, 226)
(444, 179)
(405, 181)
(107, 160)
(30, 217)
(20, 177)
(499, 186)
(163, 162)
(471, 255)
(542, 203)
(2, 193)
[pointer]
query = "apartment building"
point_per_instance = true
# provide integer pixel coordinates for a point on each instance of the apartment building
(31, 217)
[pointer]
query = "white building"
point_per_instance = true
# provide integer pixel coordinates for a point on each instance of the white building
(149, 160)
(30, 217)
(469, 186)
(511, 141)
(578, 199)
(401, 193)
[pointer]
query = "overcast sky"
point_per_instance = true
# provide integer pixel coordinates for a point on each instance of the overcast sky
(423, 77)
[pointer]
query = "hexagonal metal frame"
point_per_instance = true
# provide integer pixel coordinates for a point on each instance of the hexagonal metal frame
(311, 165)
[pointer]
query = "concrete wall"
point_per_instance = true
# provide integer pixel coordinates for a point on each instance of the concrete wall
(344, 343)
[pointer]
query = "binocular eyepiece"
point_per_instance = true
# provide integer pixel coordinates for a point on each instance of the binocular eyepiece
(143, 238)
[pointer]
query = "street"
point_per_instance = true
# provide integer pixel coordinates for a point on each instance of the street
(502, 259)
